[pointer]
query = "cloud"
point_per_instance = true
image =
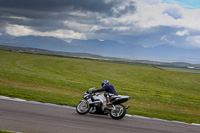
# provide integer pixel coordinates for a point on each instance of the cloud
(173, 12)
(165, 38)
(167, 15)
(16, 17)
(58, 5)
(121, 28)
(151, 2)
(58, 15)
(82, 27)
(18, 30)
(182, 33)
(194, 41)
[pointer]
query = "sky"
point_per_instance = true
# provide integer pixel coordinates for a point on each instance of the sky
(147, 23)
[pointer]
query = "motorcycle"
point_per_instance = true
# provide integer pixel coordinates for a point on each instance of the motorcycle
(103, 103)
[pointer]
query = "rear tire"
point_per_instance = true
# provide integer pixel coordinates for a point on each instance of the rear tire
(83, 107)
(119, 112)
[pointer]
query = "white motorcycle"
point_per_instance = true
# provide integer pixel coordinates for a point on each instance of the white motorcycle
(103, 103)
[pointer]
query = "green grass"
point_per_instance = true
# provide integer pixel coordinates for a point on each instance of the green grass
(155, 93)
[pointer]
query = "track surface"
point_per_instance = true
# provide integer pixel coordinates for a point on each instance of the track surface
(35, 118)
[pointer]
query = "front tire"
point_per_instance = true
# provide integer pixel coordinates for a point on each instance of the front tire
(83, 107)
(119, 112)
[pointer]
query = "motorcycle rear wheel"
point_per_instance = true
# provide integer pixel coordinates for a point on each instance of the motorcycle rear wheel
(83, 107)
(119, 112)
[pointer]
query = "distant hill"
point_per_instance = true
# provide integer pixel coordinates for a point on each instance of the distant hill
(107, 48)
(165, 52)
(49, 43)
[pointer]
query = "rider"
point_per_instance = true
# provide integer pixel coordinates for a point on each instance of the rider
(106, 87)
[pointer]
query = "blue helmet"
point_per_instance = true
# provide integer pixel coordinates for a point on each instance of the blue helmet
(105, 83)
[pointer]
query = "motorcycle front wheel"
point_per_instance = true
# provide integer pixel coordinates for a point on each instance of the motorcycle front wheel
(83, 107)
(119, 112)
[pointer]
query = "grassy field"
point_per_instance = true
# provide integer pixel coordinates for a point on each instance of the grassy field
(155, 93)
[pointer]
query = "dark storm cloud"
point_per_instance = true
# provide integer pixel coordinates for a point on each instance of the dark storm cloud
(42, 8)
(49, 14)
(130, 8)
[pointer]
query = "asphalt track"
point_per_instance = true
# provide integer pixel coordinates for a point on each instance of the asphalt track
(38, 118)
